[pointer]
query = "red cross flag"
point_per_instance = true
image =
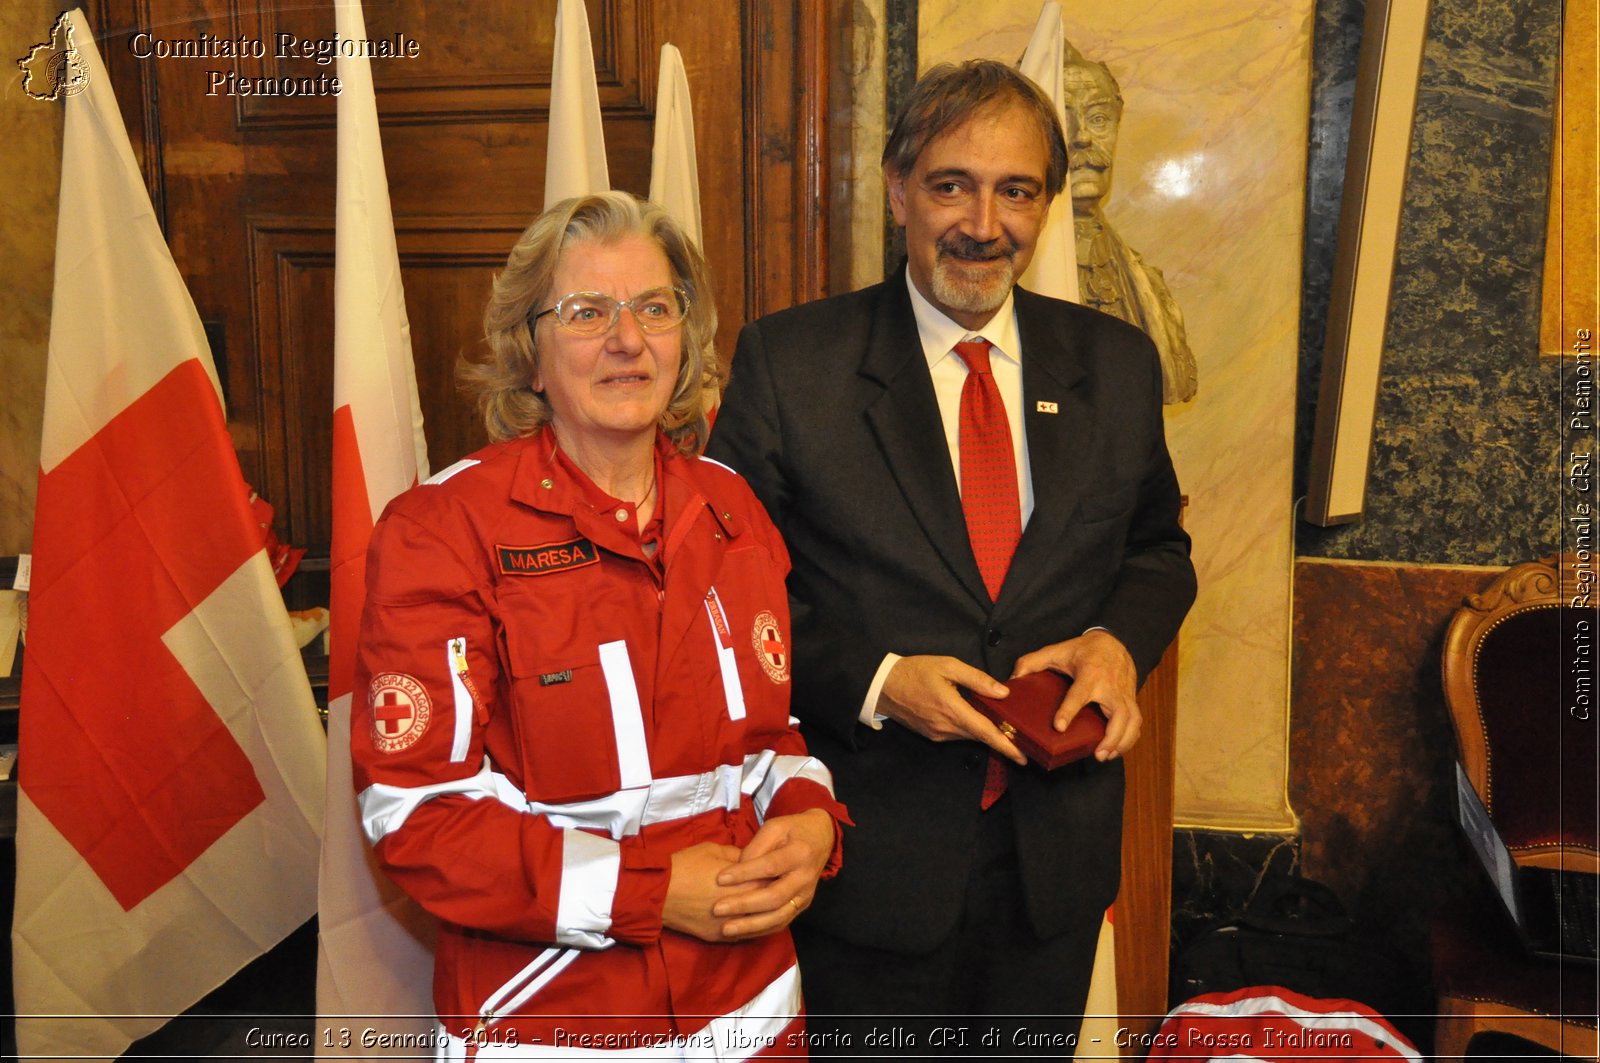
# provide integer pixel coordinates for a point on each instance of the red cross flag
(171, 763)
(374, 945)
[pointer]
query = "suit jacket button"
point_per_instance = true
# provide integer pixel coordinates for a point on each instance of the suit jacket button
(992, 637)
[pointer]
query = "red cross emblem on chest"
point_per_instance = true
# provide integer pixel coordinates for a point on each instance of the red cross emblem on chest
(767, 637)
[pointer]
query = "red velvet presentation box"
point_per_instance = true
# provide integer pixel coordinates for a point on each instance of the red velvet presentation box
(1025, 718)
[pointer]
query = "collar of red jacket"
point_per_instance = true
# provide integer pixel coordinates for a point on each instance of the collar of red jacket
(548, 480)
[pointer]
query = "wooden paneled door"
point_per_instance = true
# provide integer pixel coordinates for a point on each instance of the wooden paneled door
(244, 184)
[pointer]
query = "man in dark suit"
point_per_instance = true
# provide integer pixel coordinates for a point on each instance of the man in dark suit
(973, 482)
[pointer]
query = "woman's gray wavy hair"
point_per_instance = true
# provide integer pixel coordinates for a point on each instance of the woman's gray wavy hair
(503, 384)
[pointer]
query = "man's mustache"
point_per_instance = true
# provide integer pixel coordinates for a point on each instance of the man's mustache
(961, 246)
(1093, 157)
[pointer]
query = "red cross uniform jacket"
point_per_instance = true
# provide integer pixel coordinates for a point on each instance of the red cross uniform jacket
(549, 715)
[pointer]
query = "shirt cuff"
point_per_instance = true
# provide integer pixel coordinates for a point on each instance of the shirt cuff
(869, 714)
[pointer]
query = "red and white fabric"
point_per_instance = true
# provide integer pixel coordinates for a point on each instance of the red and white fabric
(550, 714)
(374, 945)
(171, 758)
(1276, 1025)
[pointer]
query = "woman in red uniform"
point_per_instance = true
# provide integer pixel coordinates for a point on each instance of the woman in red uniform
(576, 749)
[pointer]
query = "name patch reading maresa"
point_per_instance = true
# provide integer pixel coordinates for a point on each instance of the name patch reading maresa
(543, 560)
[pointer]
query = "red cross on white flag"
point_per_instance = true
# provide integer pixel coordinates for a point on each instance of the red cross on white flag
(171, 759)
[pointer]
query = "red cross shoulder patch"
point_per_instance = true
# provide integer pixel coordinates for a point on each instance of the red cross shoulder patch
(400, 711)
(770, 650)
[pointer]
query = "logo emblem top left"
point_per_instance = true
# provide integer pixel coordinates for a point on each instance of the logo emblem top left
(54, 68)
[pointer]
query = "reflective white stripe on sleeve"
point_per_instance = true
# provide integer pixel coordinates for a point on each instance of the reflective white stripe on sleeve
(728, 664)
(590, 865)
(385, 809)
(455, 657)
(683, 796)
(756, 766)
(785, 768)
(627, 719)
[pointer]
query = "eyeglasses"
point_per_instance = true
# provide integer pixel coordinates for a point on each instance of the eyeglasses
(594, 314)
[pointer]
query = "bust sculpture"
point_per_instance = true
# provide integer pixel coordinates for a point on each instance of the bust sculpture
(1113, 277)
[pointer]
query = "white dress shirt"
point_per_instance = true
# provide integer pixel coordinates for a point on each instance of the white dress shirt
(939, 335)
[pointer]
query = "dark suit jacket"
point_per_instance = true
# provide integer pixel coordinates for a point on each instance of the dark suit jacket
(831, 416)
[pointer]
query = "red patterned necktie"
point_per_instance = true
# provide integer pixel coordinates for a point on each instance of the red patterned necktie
(988, 494)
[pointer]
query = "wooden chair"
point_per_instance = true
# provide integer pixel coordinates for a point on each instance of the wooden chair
(1519, 668)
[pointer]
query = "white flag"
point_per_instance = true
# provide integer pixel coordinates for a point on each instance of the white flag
(375, 960)
(674, 177)
(575, 156)
(171, 760)
(1054, 269)
(1054, 272)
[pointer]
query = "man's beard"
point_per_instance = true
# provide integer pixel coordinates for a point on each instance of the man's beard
(971, 276)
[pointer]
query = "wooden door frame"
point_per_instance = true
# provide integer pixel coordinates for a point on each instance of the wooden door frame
(786, 68)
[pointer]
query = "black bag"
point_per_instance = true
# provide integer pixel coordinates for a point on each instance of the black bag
(1295, 933)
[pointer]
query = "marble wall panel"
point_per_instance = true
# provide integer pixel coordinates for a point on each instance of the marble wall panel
(1209, 187)
(1464, 466)
(1215, 874)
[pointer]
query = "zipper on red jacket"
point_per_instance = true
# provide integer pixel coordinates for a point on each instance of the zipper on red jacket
(458, 655)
